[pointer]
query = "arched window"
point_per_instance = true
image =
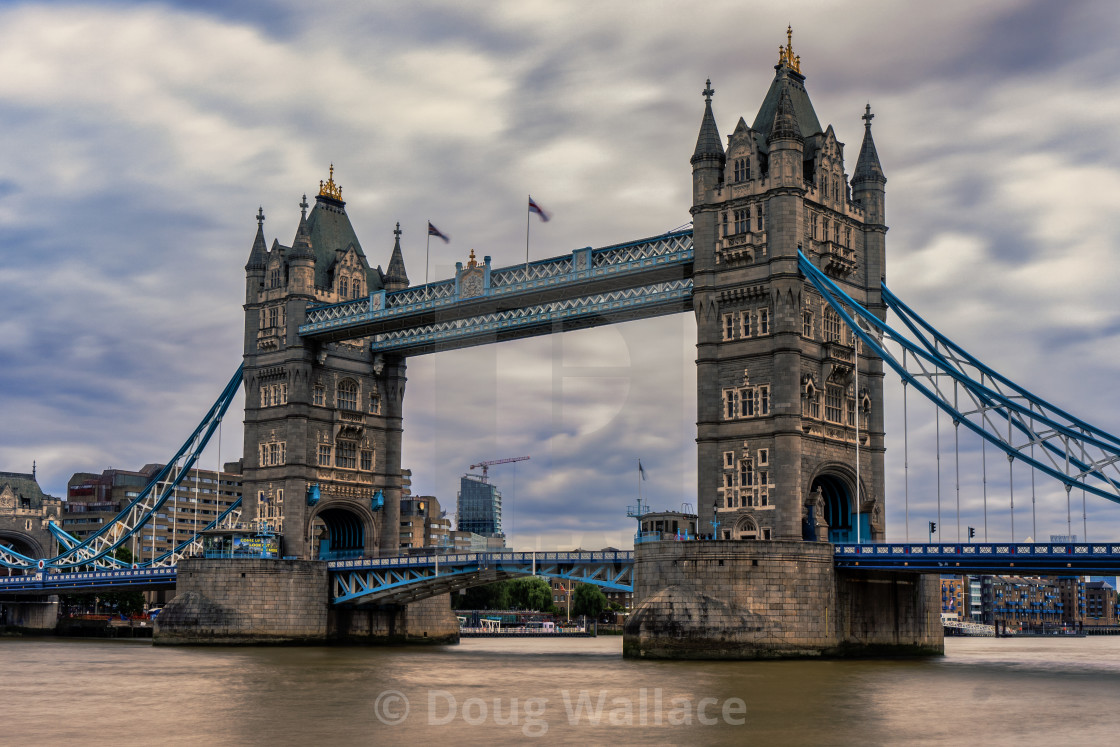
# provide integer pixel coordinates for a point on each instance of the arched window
(343, 287)
(347, 395)
(357, 288)
(375, 402)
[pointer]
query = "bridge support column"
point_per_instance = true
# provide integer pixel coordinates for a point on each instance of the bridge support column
(35, 615)
(246, 601)
(748, 599)
(427, 621)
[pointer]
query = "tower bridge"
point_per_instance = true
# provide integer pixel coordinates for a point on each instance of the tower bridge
(784, 268)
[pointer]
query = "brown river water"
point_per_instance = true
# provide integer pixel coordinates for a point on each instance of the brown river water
(508, 691)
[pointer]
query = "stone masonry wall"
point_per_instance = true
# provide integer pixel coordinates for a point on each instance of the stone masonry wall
(731, 600)
(427, 621)
(238, 601)
(757, 599)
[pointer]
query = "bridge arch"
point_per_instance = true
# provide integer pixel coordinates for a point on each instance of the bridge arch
(342, 530)
(746, 528)
(835, 485)
(24, 544)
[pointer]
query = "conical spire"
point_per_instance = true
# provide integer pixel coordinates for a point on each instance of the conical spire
(868, 168)
(708, 143)
(396, 278)
(785, 120)
(301, 246)
(258, 255)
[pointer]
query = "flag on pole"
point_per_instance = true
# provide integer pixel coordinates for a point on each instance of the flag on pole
(535, 208)
(433, 231)
(641, 470)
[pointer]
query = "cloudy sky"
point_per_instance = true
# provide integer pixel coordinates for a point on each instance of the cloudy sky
(139, 140)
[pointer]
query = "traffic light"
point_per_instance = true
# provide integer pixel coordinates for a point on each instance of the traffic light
(971, 532)
(933, 527)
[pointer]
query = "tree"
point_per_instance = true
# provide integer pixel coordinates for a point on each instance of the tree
(530, 593)
(588, 600)
(493, 596)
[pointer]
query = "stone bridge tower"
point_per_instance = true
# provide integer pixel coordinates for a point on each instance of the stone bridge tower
(779, 402)
(323, 422)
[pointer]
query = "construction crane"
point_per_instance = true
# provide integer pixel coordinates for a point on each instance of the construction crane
(486, 465)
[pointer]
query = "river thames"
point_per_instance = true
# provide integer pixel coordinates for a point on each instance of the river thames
(504, 691)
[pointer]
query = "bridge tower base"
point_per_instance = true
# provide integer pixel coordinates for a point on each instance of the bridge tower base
(247, 601)
(28, 615)
(754, 599)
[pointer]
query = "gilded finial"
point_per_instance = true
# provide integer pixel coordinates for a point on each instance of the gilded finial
(785, 54)
(472, 262)
(329, 188)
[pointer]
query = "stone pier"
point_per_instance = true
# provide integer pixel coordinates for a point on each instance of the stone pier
(260, 601)
(752, 599)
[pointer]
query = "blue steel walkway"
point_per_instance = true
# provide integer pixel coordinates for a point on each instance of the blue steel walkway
(996, 558)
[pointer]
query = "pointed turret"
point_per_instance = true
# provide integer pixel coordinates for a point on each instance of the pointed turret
(258, 255)
(868, 168)
(785, 124)
(301, 244)
(708, 143)
(396, 278)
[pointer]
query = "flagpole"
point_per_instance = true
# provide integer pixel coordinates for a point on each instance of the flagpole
(427, 253)
(528, 214)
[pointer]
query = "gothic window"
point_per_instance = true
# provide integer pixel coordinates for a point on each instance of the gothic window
(273, 454)
(730, 326)
(274, 316)
(812, 403)
(347, 395)
(274, 278)
(346, 455)
(758, 220)
(832, 326)
(724, 220)
(764, 400)
(745, 323)
(807, 324)
(833, 403)
(356, 288)
(375, 402)
(742, 169)
(324, 455)
(746, 473)
(847, 237)
(748, 402)
(764, 321)
(730, 404)
(343, 288)
(318, 395)
(742, 221)
(763, 457)
(367, 460)
(836, 232)
(728, 459)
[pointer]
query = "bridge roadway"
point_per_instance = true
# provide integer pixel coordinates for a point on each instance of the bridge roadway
(411, 578)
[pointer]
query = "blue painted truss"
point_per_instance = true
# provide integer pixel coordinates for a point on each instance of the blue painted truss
(96, 550)
(638, 279)
(1022, 425)
(49, 582)
(409, 579)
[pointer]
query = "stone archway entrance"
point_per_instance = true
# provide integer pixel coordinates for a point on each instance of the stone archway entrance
(838, 507)
(338, 533)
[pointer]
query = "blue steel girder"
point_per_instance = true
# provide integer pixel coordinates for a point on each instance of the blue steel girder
(48, 582)
(96, 549)
(409, 579)
(997, 558)
(976, 397)
(595, 277)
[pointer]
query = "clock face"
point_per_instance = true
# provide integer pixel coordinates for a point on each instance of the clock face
(471, 285)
